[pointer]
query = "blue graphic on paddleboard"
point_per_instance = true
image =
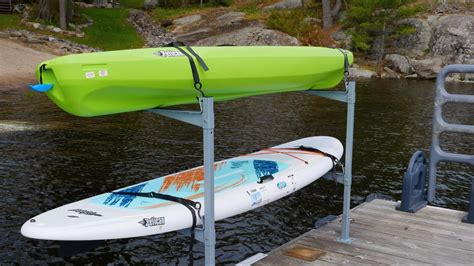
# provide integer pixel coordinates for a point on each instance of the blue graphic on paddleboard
(231, 173)
(263, 167)
(123, 200)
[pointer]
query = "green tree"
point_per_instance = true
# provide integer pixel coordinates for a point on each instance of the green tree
(369, 20)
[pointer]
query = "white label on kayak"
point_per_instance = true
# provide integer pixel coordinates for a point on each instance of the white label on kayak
(103, 73)
(90, 75)
(169, 53)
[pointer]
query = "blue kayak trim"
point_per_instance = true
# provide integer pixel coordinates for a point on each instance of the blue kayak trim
(42, 87)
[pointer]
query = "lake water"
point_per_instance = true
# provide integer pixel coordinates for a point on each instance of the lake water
(49, 158)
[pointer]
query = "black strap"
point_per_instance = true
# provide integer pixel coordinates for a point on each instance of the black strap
(346, 64)
(194, 71)
(334, 159)
(41, 69)
(307, 148)
(193, 206)
(199, 58)
(155, 195)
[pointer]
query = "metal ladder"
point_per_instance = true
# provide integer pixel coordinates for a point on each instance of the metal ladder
(440, 125)
(414, 197)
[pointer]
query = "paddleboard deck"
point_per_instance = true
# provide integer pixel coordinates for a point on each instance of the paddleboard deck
(241, 184)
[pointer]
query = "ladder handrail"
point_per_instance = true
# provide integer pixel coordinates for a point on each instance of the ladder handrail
(437, 154)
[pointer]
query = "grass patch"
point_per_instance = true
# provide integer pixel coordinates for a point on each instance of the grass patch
(289, 21)
(111, 30)
(10, 21)
(131, 3)
(409, 11)
(292, 23)
(253, 8)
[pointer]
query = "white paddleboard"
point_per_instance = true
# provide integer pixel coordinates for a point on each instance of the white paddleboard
(237, 190)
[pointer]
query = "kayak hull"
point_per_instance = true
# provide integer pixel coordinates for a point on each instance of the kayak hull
(129, 80)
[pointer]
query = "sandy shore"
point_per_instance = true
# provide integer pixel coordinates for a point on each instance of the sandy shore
(18, 62)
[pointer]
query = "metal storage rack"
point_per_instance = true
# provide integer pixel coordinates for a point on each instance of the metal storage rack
(205, 120)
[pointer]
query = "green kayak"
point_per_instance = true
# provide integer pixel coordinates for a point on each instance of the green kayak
(122, 81)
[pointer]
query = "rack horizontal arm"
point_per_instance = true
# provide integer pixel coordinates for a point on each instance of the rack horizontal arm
(347, 96)
(190, 117)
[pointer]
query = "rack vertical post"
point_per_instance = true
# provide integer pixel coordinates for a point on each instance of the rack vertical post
(348, 96)
(205, 120)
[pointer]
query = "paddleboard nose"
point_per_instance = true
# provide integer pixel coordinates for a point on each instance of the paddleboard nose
(41, 87)
(28, 228)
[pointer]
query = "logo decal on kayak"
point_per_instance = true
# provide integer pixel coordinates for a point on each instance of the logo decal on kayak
(103, 73)
(85, 212)
(152, 221)
(169, 53)
(90, 75)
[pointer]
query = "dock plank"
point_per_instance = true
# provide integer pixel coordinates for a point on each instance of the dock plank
(444, 238)
(357, 253)
(383, 236)
(400, 246)
(457, 227)
(433, 213)
(413, 232)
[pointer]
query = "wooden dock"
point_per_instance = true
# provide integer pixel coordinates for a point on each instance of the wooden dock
(382, 235)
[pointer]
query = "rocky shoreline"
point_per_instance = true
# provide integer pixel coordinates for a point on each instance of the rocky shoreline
(439, 39)
(47, 43)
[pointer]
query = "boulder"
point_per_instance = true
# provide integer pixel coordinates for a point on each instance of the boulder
(343, 39)
(16, 33)
(252, 35)
(433, 20)
(193, 36)
(389, 74)
(285, 4)
(56, 29)
(152, 32)
(412, 76)
(34, 41)
(4, 34)
(150, 4)
(418, 42)
(230, 18)
(187, 20)
(398, 63)
(358, 73)
(454, 39)
(427, 68)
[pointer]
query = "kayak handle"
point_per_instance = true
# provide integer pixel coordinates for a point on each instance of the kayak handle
(41, 87)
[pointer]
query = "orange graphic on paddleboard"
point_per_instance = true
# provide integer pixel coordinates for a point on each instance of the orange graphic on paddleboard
(192, 178)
